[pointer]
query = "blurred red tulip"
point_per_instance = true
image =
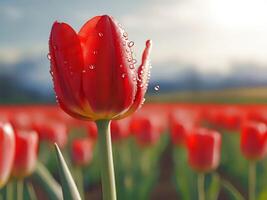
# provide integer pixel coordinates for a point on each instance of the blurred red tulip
(7, 151)
(91, 130)
(204, 149)
(25, 154)
(179, 131)
(82, 151)
(93, 71)
(51, 131)
(119, 129)
(253, 140)
(145, 131)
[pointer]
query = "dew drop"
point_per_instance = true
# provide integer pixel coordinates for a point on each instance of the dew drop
(91, 67)
(121, 65)
(143, 101)
(130, 44)
(156, 88)
(134, 61)
(123, 75)
(123, 43)
(83, 71)
(125, 34)
(48, 56)
(95, 52)
(129, 59)
(55, 47)
(100, 34)
(131, 66)
(134, 78)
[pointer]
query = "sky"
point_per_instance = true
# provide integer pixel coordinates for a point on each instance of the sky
(210, 35)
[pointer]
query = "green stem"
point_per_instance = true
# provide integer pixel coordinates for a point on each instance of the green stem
(20, 184)
(106, 161)
(252, 180)
(10, 191)
(201, 186)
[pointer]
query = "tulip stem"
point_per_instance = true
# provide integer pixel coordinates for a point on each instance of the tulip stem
(201, 186)
(252, 180)
(106, 160)
(20, 183)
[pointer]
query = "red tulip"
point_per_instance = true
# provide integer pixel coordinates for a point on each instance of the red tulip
(53, 132)
(119, 129)
(7, 151)
(146, 132)
(82, 151)
(253, 140)
(93, 70)
(25, 154)
(179, 131)
(92, 130)
(204, 148)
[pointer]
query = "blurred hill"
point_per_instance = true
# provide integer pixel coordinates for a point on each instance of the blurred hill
(28, 80)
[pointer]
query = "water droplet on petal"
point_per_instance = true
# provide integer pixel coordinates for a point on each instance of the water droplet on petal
(55, 47)
(95, 52)
(131, 66)
(48, 56)
(100, 34)
(83, 71)
(141, 72)
(91, 67)
(130, 44)
(125, 34)
(134, 78)
(134, 61)
(129, 59)
(121, 65)
(123, 75)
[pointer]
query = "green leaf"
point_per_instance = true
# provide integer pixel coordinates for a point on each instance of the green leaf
(214, 187)
(29, 192)
(232, 190)
(69, 189)
(43, 177)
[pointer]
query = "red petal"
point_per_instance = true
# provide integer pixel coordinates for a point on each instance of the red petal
(66, 65)
(107, 80)
(143, 78)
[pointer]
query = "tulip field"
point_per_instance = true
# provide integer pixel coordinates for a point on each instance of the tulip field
(161, 151)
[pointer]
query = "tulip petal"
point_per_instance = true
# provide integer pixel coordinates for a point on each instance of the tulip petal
(66, 65)
(143, 79)
(107, 79)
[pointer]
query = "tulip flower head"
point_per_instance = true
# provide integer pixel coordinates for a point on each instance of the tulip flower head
(204, 148)
(119, 129)
(94, 71)
(91, 130)
(7, 151)
(82, 151)
(51, 131)
(145, 131)
(254, 140)
(25, 154)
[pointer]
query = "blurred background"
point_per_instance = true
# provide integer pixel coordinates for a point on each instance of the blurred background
(199, 45)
